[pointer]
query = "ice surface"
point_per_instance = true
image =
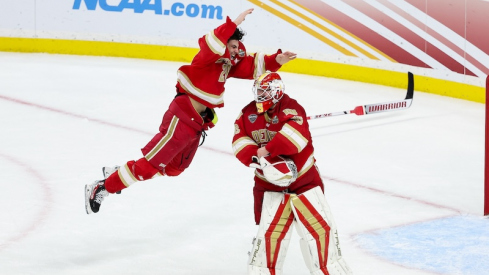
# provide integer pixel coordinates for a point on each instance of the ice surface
(404, 187)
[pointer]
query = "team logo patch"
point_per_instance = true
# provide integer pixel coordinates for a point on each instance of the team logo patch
(275, 120)
(252, 118)
(241, 53)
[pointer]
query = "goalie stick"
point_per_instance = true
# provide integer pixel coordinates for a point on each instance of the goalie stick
(378, 107)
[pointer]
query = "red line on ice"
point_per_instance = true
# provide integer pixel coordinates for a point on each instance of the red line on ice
(225, 152)
(45, 208)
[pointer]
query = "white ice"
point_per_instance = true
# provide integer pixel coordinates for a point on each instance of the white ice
(418, 171)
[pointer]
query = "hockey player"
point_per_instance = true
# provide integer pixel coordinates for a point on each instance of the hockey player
(200, 89)
(272, 135)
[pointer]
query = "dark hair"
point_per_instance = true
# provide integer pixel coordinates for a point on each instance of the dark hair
(237, 35)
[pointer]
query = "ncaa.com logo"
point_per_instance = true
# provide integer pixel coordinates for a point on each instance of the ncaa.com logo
(140, 6)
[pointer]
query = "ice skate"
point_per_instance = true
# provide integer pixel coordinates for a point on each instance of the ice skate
(94, 195)
(107, 171)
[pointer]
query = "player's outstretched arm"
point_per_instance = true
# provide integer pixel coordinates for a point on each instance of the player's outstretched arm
(285, 57)
(242, 16)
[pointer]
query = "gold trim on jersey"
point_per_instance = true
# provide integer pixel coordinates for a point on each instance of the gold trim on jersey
(290, 112)
(298, 119)
(215, 44)
(308, 165)
(189, 87)
(259, 65)
(294, 136)
(241, 143)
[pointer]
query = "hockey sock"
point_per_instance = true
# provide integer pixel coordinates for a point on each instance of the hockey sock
(130, 173)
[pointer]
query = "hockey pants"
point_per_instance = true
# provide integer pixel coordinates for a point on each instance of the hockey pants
(169, 153)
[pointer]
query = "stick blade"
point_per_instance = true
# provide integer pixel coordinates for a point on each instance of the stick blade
(410, 88)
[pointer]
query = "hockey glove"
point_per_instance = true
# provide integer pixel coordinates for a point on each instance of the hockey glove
(279, 170)
(255, 162)
(210, 118)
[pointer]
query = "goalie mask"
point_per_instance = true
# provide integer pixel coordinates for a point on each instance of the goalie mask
(278, 170)
(268, 89)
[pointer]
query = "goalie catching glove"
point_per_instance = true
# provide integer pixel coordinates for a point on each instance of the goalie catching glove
(277, 170)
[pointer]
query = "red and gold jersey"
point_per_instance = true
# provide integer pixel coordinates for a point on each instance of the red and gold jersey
(284, 132)
(204, 78)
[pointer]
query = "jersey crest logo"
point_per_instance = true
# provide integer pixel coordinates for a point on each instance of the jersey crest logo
(252, 118)
(275, 120)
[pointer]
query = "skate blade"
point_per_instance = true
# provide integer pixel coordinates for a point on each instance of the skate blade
(87, 200)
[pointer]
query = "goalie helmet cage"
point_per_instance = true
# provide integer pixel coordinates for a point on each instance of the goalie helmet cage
(486, 162)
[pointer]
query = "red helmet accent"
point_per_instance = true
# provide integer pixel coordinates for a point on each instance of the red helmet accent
(268, 89)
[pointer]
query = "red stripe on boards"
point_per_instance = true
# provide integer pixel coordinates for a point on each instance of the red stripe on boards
(361, 31)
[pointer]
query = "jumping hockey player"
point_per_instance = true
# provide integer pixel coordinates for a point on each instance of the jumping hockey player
(200, 89)
(272, 135)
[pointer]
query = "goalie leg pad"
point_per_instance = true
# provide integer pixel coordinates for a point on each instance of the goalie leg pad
(273, 237)
(319, 237)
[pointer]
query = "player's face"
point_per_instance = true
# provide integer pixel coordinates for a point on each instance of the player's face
(233, 46)
(261, 94)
